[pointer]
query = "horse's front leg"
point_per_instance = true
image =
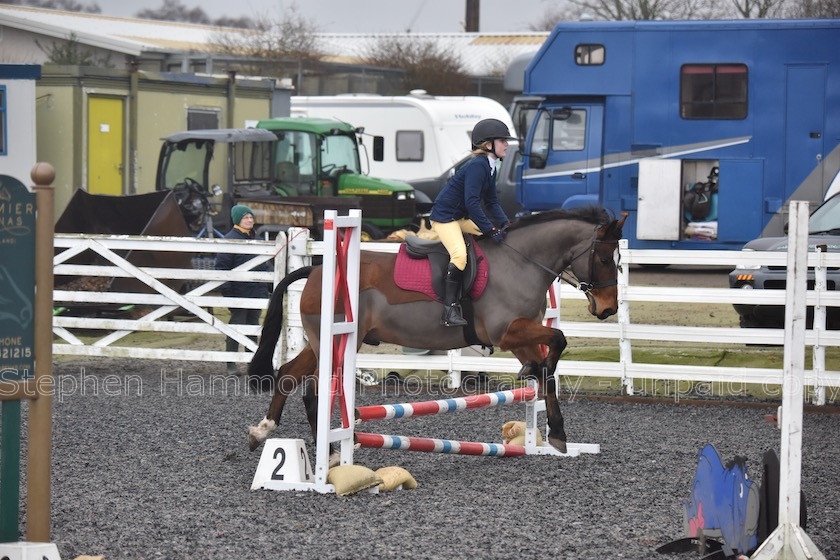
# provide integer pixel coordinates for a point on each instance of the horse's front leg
(523, 338)
(527, 334)
(288, 378)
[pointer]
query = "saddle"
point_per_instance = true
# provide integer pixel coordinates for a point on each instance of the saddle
(421, 267)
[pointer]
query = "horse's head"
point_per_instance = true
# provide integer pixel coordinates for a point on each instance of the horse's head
(601, 269)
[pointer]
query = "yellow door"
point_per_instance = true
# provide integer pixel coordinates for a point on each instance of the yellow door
(105, 145)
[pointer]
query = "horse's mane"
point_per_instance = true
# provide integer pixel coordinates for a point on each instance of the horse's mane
(596, 215)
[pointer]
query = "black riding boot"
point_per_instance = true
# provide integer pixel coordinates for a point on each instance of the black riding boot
(452, 310)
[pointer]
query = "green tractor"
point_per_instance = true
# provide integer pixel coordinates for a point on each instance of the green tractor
(288, 170)
(320, 157)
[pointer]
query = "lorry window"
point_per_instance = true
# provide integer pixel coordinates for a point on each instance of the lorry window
(409, 145)
(339, 153)
(590, 55)
(539, 141)
(569, 131)
(713, 91)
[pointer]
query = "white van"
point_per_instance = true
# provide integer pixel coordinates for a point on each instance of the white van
(424, 134)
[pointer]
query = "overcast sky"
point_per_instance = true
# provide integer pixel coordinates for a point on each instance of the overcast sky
(364, 15)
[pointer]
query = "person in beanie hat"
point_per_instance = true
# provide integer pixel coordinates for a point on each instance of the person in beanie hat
(238, 212)
(243, 228)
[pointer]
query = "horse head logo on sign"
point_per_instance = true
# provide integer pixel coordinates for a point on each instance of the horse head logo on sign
(14, 305)
(17, 275)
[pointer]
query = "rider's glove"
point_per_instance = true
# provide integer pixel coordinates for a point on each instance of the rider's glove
(498, 235)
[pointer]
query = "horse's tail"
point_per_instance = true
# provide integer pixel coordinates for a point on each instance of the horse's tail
(261, 363)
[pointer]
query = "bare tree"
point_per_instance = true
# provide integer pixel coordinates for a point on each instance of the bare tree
(634, 10)
(820, 9)
(619, 10)
(426, 65)
(750, 9)
(275, 46)
(73, 53)
(174, 10)
(66, 5)
(243, 22)
(554, 14)
(704, 9)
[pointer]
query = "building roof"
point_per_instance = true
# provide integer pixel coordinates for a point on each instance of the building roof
(480, 53)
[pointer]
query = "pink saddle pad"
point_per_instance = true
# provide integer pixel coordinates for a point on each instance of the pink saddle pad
(416, 274)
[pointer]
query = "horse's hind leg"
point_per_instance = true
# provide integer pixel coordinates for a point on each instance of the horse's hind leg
(288, 378)
(310, 402)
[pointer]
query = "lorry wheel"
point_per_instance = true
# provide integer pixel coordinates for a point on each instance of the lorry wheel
(371, 233)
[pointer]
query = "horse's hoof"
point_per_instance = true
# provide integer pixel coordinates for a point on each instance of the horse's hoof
(253, 442)
(558, 444)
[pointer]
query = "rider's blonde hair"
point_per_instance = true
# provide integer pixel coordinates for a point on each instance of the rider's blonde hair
(483, 149)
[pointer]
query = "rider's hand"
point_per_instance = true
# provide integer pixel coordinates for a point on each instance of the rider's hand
(498, 235)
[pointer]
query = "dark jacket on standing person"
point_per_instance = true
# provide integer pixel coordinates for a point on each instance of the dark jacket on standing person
(463, 194)
(229, 261)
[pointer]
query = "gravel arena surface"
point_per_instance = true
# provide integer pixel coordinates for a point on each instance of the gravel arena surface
(163, 471)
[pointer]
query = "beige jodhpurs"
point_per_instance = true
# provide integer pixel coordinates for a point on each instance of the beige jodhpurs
(451, 234)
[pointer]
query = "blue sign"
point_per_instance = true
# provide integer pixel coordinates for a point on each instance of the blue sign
(17, 280)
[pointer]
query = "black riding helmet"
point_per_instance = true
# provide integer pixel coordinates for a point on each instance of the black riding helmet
(489, 129)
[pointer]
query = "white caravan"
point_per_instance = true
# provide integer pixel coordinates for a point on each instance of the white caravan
(424, 135)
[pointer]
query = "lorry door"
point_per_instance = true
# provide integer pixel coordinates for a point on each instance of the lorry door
(804, 124)
(105, 145)
(564, 167)
(660, 199)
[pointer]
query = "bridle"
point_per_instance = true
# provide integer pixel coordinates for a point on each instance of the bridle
(585, 287)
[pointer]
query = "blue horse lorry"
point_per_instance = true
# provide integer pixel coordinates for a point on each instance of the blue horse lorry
(646, 117)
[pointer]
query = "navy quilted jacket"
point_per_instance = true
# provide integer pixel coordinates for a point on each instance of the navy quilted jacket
(463, 194)
(229, 261)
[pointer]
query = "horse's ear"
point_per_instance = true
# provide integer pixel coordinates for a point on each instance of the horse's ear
(613, 229)
(620, 223)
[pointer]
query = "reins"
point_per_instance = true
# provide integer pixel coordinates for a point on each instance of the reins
(585, 287)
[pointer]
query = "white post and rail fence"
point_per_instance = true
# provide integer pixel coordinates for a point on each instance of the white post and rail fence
(186, 314)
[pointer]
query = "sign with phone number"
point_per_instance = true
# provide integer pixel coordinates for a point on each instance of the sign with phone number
(17, 280)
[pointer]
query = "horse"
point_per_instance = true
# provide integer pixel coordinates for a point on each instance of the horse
(538, 249)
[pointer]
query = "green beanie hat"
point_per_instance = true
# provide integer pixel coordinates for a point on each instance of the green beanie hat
(238, 212)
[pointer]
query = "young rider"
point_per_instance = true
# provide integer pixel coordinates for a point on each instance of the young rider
(458, 209)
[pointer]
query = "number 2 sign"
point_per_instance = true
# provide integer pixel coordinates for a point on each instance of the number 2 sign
(282, 460)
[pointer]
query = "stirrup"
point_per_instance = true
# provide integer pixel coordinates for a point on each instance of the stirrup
(452, 316)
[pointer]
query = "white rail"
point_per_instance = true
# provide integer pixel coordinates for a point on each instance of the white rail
(624, 331)
(73, 323)
(74, 329)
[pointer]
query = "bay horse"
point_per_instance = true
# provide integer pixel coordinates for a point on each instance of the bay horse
(538, 249)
